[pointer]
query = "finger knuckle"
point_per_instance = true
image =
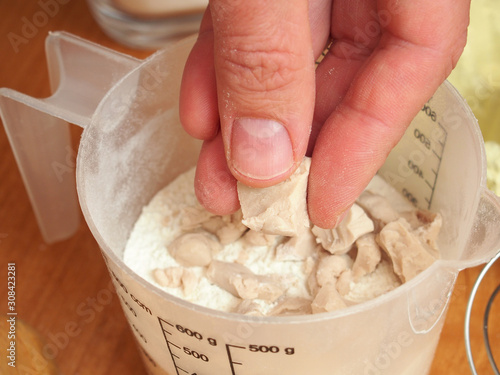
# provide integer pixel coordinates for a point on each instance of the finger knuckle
(257, 69)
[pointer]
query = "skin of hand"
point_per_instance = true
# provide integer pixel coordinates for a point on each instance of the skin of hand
(251, 92)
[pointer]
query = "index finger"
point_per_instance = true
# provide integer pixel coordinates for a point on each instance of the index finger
(416, 52)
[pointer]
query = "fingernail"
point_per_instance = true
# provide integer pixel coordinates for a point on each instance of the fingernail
(260, 149)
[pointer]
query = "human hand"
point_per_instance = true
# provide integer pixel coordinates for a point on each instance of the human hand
(251, 92)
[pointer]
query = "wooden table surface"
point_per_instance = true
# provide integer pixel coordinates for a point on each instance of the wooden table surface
(55, 283)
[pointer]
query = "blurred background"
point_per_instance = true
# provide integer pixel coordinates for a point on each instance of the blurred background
(477, 78)
(147, 24)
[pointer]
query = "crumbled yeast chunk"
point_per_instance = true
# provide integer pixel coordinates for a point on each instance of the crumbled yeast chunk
(279, 209)
(373, 250)
(249, 307)
(194, 249)
(241, 282)
(367, 256)
(175, 277)
(327, 299)
(339, 240)
(378, 208)
(189, 281)
(408, 254)
(292, 306)
(193, 216)
(228, 228)
(169, 277)
(312, 281)
(297, 248)
(380, 281)
(331, 267)
(429, 229)
(344, 282)
(254, 238)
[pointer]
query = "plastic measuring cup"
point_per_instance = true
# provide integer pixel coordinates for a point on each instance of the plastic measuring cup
(132, 146)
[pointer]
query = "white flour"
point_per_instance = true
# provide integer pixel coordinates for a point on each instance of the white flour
(160, 223)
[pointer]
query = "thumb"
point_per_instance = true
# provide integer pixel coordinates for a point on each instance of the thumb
(264, 66)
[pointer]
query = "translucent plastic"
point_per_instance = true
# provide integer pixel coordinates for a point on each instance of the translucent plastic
(81, 73)
(134, 145)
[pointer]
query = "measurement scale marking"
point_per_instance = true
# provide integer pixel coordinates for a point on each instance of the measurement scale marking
(164, 321)
(445, 136)
(172, 354)
(174, 357)
(231, 362)
(161, 321)
(440, 159)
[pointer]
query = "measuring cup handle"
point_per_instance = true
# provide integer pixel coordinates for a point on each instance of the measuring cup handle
(42, 148)
(81, 73)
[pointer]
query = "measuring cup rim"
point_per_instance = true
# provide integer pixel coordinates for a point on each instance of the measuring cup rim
(473, 126)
